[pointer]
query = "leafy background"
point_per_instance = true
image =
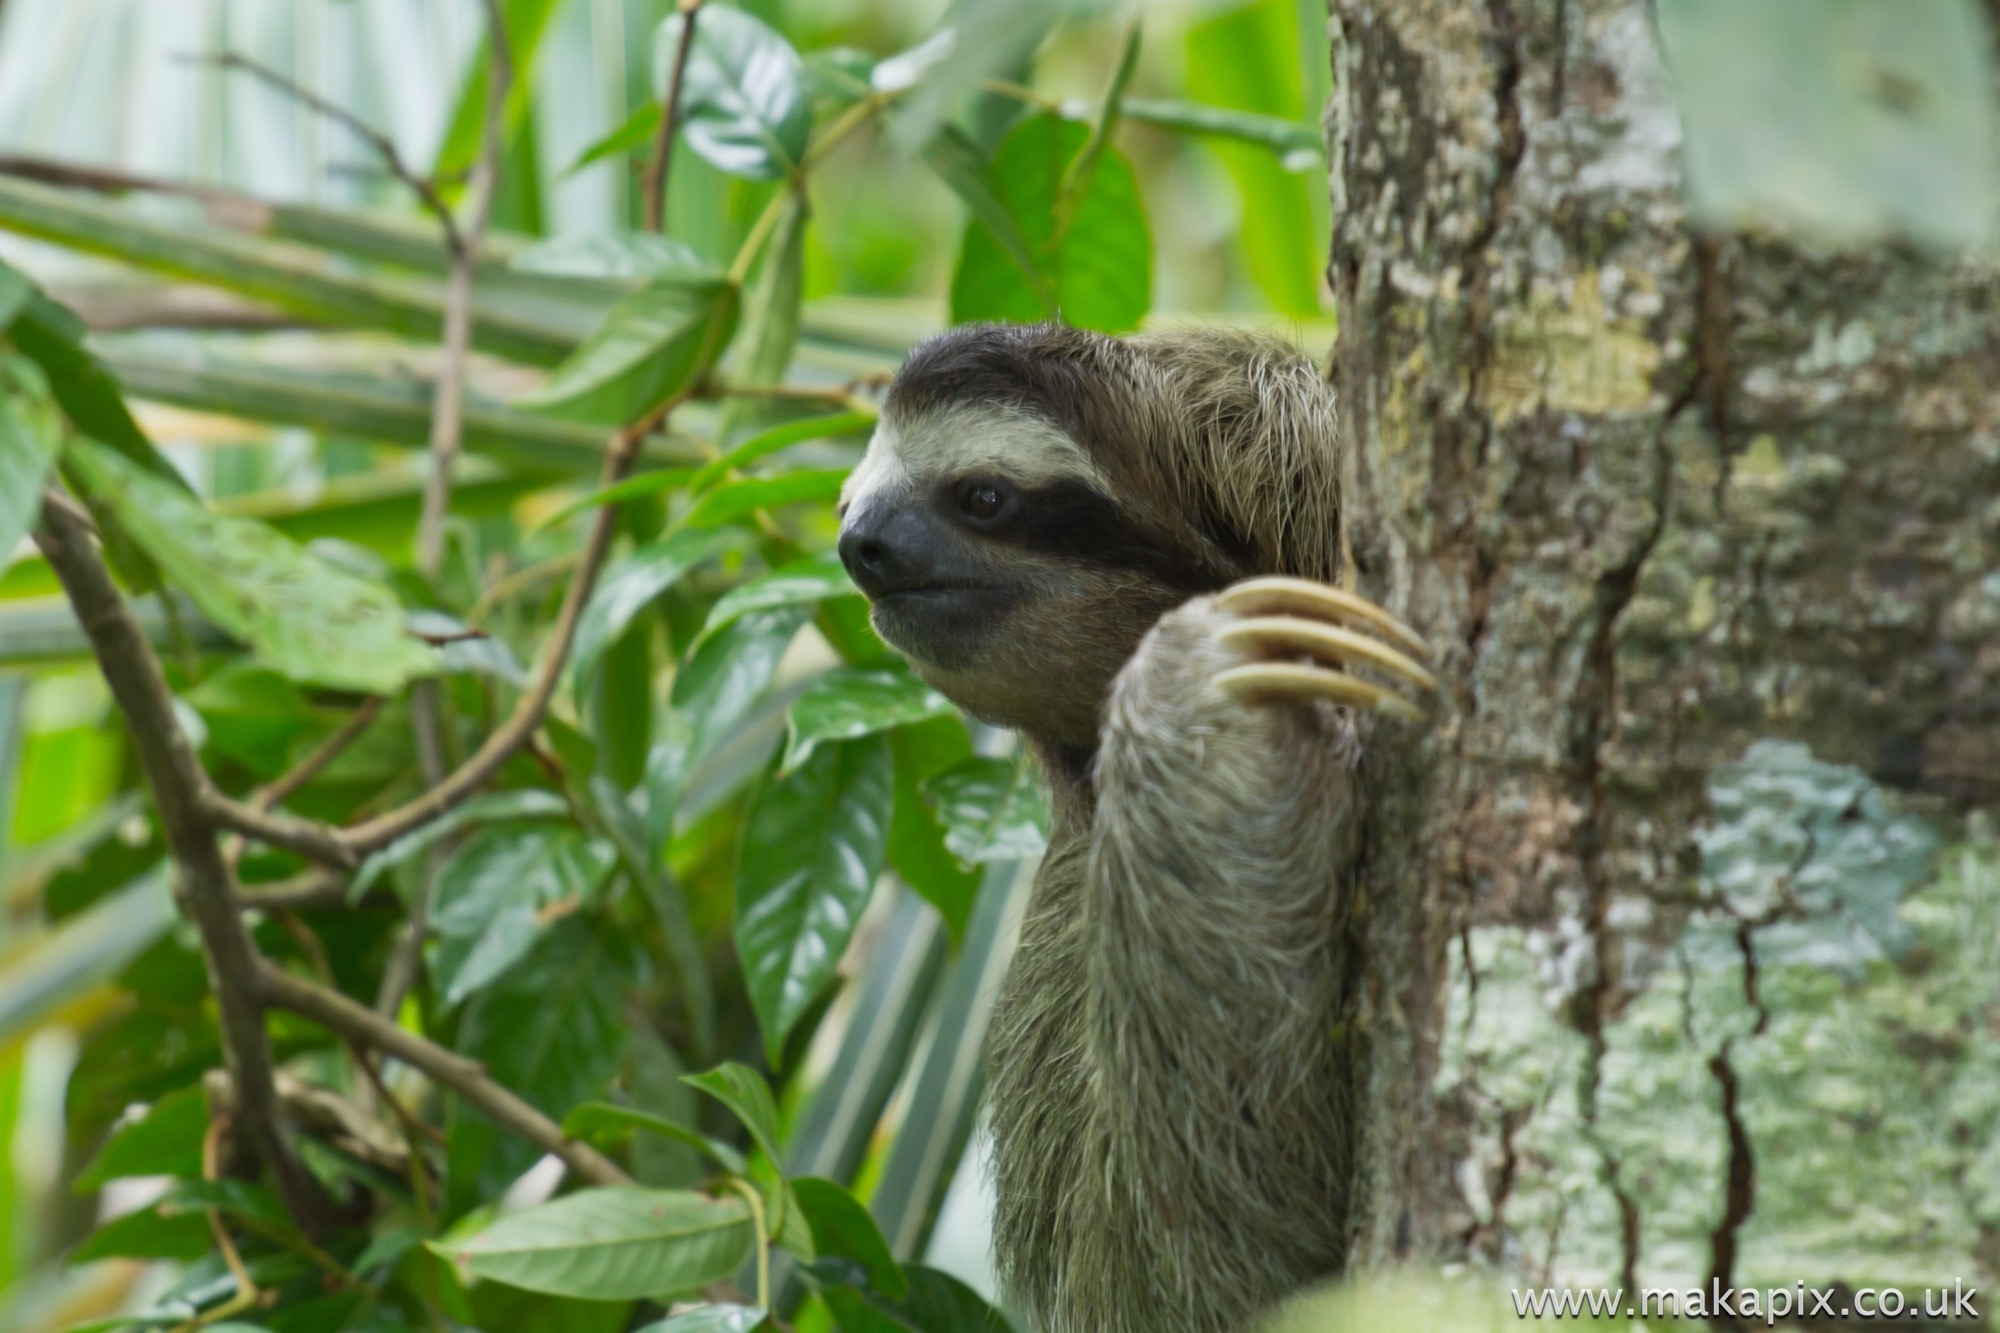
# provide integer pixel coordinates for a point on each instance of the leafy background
(745, 840)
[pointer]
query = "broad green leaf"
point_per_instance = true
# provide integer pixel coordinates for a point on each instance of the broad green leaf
(743, 97)
(252, 714)
(486, 808)
(553, 1029)
(712, 1319)
(632, 488)
(618, 257)
(813, 845)
(847, 702)
(959, 163)
(993, 810)
(611, 1244)
(257, 1206)
(147, 1234)
(843, 1228)
(605, 1124)
(30, 439)
(1849, 119)
(649, 346)
(1247, 57)
(300, 614)
(166, 1141)
(734, 500)
(988, 39)
(1099, 269)
(805, 582)
(633, 584)
(771, 309)
(918, 845)
(727, 674)
(527, 23)
(744, 1091)
(768, 442)
(494, 892)
(634, 133)
(936, 1303)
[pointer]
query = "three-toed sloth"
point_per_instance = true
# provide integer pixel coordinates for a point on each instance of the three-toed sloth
(1126, 549)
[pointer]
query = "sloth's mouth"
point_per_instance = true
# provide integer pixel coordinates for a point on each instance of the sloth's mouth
(936, 590)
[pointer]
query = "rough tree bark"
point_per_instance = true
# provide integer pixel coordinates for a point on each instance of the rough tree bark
(1656, 496)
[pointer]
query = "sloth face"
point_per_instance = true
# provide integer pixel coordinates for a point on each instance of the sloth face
(998, 561)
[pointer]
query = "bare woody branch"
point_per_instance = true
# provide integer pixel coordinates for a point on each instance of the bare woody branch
(653, 184)
(359, 1024)
(205, 885)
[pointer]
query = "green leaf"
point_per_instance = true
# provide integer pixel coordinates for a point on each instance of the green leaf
(726, 674)
(604, 1124)
(301, 615)
(492, 894)
(610, 1244)
(743, 97)
(771, 323)
(993, 810)
(636, 132)
(779, 437)
(712, 1319)
(744, 1091)
(632, 585)
(736, 499)
(937, 1303)
(620, 258)
(1849, 119)
(1100, 268)
(1297, 142)
(843, 1228)
(527, 23)
(166, 1141)
(813, 845)
(918, 849)
(84, 951)
(1248, 57)
(651, 344)
(250, 1203)
(847, 702)
(805, 582)
(30, 439)
(959, 163)
(632, 488)
(147, 1234)
(486, 808)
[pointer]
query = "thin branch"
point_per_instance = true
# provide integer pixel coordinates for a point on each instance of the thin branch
(205, 885)
(654, 183)
(362, 1025)
(284, 787)
(382, 144)
(312, 889)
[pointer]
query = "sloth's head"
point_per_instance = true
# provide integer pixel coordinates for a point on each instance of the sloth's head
(1036, 497)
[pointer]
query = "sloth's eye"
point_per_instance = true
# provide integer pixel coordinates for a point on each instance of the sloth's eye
(983, 500)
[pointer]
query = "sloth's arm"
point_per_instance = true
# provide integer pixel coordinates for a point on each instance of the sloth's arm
(1224, 825)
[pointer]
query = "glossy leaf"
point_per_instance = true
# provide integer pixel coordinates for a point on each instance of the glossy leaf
(712, 1319)
(494, 895)
(1099, 269)
(744, 1091)
(605, 1124)
(842, 1227)
(735, 500)
(743, 97)
(993, 810)
(487, 808)
(771, 318)
(610, 1244)
(165, 1141)
(619, 257)
(649, 346)
(634, 133)
(30, 438)
(812, 846)
(959, 163)
(301, 615)
(771, 441)
(805, 582)
(634, 583)
(727, 673)
(918, 847)
(858, 701)
(935, 1303)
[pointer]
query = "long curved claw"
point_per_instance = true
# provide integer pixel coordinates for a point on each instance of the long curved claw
(1279, 595)
(1291, 634)
(1299, 680)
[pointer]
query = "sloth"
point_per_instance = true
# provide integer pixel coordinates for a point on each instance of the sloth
(1129, 551)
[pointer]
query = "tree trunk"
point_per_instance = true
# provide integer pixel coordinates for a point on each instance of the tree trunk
(1655, 497)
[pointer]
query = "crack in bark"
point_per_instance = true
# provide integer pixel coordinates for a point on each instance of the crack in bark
(1740, 1196)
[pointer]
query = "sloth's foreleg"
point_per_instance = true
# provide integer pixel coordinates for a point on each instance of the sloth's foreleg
(1224, 825)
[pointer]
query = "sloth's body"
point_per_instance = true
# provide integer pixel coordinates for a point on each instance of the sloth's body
(1044, 523)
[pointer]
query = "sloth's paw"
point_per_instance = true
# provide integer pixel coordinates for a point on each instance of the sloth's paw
(1307, 638)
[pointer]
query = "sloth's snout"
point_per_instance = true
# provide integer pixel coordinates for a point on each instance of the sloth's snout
(888, 549)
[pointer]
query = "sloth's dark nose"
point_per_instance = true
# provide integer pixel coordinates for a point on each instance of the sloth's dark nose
(887, 550)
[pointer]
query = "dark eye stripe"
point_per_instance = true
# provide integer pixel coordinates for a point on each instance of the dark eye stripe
(1073, 520)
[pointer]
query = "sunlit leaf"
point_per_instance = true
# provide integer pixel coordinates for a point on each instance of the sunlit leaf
(959, 163)
(993, 810)
(487, 808)
(842, 1227)
(804, 583)
(712, 1319)
(728, 672)
(651, 344)
(744, 1091)
(30, 438)
(605, 1124)
(633, 584)
(493, 895)
(743, 96)
(623, 256)
(812, 847)
(611, 1244)
(734, 500)
(858, 701)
